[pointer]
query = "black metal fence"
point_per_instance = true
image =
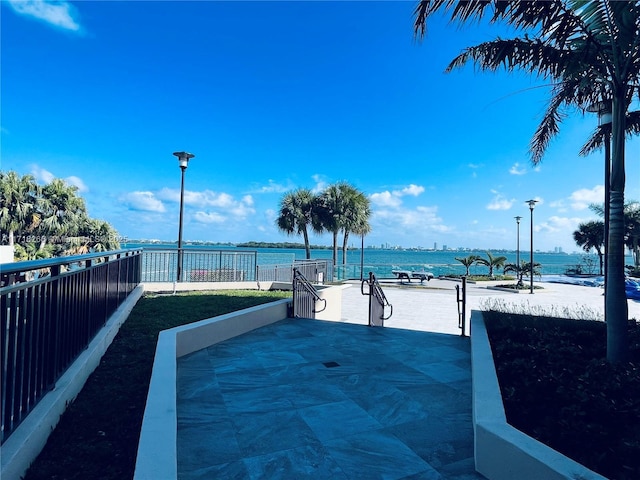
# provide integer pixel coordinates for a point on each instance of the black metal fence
(199, 265)
(51, 310)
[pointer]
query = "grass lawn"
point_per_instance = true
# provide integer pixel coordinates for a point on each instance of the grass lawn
(97, 437)
(558, 388)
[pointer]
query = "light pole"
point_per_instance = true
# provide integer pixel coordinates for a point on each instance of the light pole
(518, 218)
(603, 110)
(183, 160)
(532, 204)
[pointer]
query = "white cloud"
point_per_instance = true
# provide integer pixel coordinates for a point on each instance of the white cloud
(211, 217)
(558, 224)
(59, 14)
(321, 183)
(385, 199)
(145, 201)
(273, 187)
(77, 182)
(499, 202)
(42, 175)
(516, 169)
(393, 199)
(45, 176)
(412, 189)
(423, 218)
(581, 199)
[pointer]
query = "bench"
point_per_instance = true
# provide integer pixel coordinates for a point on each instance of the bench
(402, 274)
(422, 276)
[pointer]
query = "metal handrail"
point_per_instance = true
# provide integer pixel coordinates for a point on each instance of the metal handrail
(309, 288)
(18, 267)
(375, 291)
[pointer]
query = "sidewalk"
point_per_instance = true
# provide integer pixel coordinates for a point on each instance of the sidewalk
(317, 399)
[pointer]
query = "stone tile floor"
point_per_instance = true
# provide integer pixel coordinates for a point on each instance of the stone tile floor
(327, 400)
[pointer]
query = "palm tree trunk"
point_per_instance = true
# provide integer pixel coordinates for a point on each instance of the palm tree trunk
(307, 248)
(616, 310)
(335, 248)
(344, 247)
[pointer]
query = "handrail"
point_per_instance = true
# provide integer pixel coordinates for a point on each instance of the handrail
(380, 296)
(15, 267)
(309, 288)
(375, 291)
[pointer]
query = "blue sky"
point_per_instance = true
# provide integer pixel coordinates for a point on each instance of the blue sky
(272, 96)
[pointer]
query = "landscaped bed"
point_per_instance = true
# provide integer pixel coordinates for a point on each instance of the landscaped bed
(558, 388)
(97, 437)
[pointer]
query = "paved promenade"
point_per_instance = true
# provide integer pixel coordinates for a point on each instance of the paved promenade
(432, 307)
(340, 400)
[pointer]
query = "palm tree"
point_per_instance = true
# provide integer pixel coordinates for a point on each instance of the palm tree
(18, 196)
(295, 215)
(468, 261)
(61, 210)
(591, 51)
(591, 235)
(355, 218)
(331, 211)
(521, 270)
(491, 262)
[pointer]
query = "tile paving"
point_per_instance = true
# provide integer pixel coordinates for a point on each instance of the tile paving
(316, 399)
(271, 404)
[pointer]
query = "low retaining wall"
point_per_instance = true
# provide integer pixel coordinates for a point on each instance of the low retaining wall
(503, 452)
(157, 455)
(28, 440)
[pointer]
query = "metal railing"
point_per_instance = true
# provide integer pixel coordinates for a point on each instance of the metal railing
(317, 271)
(305, 297)
(377, 301)
(51, 310)
(461, 299)
(199, 265)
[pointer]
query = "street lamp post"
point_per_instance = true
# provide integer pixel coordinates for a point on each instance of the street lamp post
(532, 204)
(183, 160)
(518, 218)
(603, 110)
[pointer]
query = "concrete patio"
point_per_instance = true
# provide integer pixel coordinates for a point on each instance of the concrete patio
(306, 398)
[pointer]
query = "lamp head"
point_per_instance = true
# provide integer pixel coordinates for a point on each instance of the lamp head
(518, 218)
(532, 203)
(603, 109)
(183, 158)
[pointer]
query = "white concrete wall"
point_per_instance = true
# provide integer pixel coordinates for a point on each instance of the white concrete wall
(6, 254)
(333, 295)
(157, 454)
(501, 451)
(28, 440)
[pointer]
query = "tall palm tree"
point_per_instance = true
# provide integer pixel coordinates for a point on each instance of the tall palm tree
(590, 235)
(492, 262)
(355, 218)
(18, 197)
(591, 51)
(295, 215)
(330, 209)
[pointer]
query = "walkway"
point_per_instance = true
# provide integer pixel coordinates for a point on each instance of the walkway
(340, 400)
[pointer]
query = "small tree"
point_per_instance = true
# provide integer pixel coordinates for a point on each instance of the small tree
(492, 262)
(590, 235)
(521, 270)
(468, 261)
